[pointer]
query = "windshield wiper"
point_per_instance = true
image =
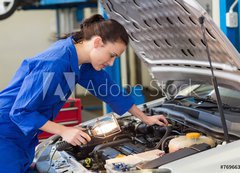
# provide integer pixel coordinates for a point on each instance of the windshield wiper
(196, 98)
(224, 106)
(201, 100)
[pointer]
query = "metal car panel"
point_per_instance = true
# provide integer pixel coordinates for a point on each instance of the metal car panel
(222, 159)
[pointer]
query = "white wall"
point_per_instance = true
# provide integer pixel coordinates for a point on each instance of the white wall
(23, 35)
(213, 7)
(207, 5)
(216, 12)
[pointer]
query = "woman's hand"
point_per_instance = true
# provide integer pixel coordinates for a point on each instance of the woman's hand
(72, 135)
(156, 119)
(150, 120)
(75, 136)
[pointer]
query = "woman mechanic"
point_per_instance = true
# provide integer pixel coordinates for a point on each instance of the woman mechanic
(42, 84)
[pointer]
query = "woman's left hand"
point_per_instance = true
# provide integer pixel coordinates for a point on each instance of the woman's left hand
(156, 119)
(149, 120)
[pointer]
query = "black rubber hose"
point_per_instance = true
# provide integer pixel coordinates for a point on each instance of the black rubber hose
(98, 147)
(167, 132)
(63, 145)
(165, 140)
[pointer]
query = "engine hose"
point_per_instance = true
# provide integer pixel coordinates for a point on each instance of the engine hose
(165, 140)
(60, 146)
(98, 147)
(121, 136)
(168, 130)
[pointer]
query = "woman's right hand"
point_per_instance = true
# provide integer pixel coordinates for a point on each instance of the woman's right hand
(75, 136)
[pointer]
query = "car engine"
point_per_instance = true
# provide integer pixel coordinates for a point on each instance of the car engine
(137, 146)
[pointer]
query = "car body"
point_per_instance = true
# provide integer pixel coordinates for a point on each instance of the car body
(169, 38)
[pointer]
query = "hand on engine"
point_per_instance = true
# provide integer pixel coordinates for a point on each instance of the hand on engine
(156, 119)
(149, 120)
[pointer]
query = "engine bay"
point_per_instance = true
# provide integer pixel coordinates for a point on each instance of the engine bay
(137, 146)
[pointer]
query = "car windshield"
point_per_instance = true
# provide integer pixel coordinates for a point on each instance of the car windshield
(229, 96)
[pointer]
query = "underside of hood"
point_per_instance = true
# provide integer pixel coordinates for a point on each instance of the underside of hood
(166, 35)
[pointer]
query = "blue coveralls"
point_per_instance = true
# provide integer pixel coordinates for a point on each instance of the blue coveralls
(36, 94)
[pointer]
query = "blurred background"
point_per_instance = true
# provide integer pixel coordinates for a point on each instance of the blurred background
(36, 24)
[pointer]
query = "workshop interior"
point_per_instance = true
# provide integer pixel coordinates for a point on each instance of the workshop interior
(182, 62)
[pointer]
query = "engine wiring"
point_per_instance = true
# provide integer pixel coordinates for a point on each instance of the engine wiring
(51, 159)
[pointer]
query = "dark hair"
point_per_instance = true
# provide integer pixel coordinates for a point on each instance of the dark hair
(109, 30)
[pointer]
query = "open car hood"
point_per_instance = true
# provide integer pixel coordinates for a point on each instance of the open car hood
(167, 37)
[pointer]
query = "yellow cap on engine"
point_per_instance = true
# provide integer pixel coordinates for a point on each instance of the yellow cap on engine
(193, 135)
(120, 156)
(88, 162)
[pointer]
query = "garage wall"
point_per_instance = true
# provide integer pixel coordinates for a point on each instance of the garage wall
(23, 35)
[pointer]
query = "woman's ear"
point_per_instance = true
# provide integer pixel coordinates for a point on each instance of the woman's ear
(97, 42)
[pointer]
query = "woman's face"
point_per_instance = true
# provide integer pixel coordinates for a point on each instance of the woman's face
(103, 55)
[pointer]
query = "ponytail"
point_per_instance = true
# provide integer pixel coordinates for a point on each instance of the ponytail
(109, 30)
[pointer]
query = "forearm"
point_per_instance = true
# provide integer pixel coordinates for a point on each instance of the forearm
(134, 110)
(53, 128)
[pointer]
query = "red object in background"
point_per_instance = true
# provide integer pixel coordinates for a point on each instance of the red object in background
(69, 115)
